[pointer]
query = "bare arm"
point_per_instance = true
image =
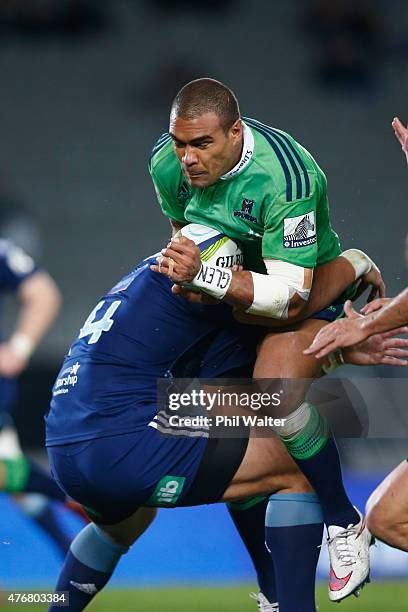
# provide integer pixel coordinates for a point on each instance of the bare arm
(40, 302)
(394, 314)
(355, 329)
(181, 262)
(330, 280)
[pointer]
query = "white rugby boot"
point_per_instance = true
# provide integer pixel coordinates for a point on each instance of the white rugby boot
(349, 559)
(263, 603)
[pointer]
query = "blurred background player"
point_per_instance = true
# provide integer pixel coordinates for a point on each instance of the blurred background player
(387, 508)
(39, 302)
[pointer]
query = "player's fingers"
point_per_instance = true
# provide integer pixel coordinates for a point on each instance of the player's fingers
(395, 332)
(162, 263)
(396, 352)
(349, 310)
(170, 262)
(371, 307)
(398, 129)
(320, 347)
(183, 244)
(393, 361)
(175, 255)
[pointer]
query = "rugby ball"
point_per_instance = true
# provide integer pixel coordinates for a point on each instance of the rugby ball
(216, 249)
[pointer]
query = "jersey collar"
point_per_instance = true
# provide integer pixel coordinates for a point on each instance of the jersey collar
(247, 152)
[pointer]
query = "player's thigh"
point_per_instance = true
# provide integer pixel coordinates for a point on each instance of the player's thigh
(388, 504)
(266, 468)
(280, 356)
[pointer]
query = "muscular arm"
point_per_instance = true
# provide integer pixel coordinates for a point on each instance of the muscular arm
(281, 295)
(330, 280)
(391, 316)
(40, 301)
(356, 328)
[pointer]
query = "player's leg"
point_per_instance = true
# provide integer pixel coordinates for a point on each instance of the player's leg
(293, 522)
(113, 491)
(22, 475)
(94, 555)
(248, 516)
(17, 475)
(387, 509)
(307, 438)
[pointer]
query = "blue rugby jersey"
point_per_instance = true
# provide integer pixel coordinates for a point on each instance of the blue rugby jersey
(108, 381)
(15, 267)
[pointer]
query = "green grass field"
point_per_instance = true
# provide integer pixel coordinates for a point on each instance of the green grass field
(380, 597)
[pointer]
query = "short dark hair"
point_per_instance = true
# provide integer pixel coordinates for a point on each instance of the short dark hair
(206, 96)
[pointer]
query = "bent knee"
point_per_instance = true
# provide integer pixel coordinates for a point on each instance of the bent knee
(384, 521)
(378, 521)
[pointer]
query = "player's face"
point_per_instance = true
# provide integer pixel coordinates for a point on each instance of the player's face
(204, 150)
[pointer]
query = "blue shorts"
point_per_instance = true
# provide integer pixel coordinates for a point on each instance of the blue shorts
(113, 476)
(336, 310)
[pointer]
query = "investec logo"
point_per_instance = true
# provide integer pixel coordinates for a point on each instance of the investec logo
(299, 231)
(70, 380)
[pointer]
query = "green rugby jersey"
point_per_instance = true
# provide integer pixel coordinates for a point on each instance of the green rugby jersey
(274, 201)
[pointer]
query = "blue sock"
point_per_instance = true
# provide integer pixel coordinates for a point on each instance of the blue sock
(47, 516)
(293, 533)
(250, 523)
(88, 566)
(324, 474)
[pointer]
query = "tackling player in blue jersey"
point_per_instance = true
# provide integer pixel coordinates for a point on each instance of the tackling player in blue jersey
(105, 436)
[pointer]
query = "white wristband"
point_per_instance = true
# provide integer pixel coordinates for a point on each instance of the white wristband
(212, 280)
(333, 361)
(22, 345)
(361, 262)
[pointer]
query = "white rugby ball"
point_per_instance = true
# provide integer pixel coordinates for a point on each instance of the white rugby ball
(216, 249)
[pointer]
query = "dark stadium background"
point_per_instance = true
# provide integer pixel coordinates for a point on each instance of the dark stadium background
(85, 88)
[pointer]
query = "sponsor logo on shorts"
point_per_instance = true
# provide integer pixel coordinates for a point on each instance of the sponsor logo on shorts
(167, 491)
(67, 379)
(299, 231)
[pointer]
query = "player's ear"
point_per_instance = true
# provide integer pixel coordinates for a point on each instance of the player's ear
(236, 129)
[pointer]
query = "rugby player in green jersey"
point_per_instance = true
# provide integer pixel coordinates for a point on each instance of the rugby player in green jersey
(259, 186)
